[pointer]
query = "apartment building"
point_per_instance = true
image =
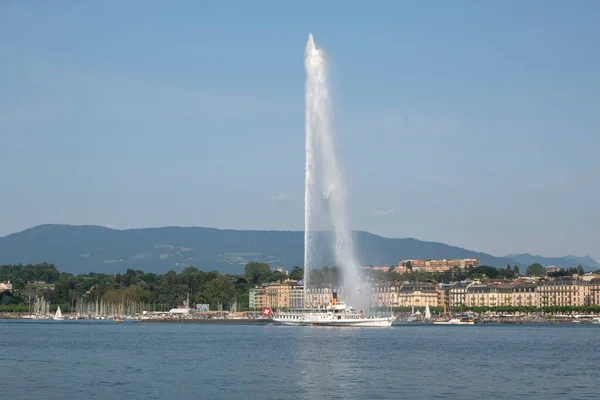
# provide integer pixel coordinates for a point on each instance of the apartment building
(501, 295)
(525, 295)
(275, 295)
(490, 293)
(458, 294)
(595, 291)
(418, 295)
(296, 296)
(566, 292)
(252, 298)
(435, 265)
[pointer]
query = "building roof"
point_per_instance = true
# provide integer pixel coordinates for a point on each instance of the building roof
(181, 311)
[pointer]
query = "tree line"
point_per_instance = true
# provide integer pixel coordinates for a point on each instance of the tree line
(159, 291)
(473, 273)
(164, 291)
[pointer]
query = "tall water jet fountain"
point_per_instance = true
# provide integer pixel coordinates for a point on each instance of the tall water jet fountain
(324, 196)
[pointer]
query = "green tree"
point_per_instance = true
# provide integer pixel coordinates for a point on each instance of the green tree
(257, 272)
(151, 278)
(580, 270)
(131, 293)
(536, 269)
(7, 298)
(516, 271)
(219, 290)
(193, 279)
(409, 265)
(489, 272)
(297, 273)
(278, 276)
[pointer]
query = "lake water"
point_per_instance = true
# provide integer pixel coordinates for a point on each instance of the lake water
(104, 360)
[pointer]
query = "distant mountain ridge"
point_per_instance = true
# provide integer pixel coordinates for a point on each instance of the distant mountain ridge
(89, 248)
(588, 263)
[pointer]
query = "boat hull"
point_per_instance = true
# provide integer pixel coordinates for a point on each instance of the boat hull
(453, 323)
(357, 323)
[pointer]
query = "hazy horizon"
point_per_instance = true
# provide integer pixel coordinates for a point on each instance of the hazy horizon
(470, 124)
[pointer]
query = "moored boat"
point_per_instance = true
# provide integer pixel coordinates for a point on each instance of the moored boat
(338, 313)
(58, 316)
(455, 321)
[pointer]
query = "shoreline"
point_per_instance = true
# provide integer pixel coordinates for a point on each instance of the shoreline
(208, 321)
(267, 321)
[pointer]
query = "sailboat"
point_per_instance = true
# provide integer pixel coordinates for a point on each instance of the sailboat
(58, 316)
(414, 316)
(427, 312)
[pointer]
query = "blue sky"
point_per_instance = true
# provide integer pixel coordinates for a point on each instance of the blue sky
(470, 123)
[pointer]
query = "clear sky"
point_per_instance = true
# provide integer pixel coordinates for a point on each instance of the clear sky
(474, 123)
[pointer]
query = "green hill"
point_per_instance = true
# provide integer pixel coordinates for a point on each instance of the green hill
(83, 249)
(588, 263)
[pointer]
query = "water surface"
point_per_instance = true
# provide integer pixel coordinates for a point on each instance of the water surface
(104, 360)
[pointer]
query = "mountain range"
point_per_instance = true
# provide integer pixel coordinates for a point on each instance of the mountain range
(88, 248)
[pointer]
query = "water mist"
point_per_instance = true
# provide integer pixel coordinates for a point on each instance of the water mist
(324, 196)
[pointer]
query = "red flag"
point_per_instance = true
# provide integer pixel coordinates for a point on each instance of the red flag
(267, 311)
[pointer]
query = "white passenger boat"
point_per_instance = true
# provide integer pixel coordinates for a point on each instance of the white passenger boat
(338, 313)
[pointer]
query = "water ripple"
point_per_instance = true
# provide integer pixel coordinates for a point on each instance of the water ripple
(127, 361)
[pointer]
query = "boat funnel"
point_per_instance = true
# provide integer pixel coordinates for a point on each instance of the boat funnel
(334, 301)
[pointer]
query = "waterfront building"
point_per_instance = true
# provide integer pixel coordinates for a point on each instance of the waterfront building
(289, 294)
(252, 298)
(595, 291)
(184, 309)
(478, 295)
(491, 295)
(458, 293)
(444, 294)
(275, 295)
(418, 295)
(525, 295)
(296, 296)
(404, 294)
(320, 296)
(501, 294)
(565, 292)
(260, 297)
(383, 294)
